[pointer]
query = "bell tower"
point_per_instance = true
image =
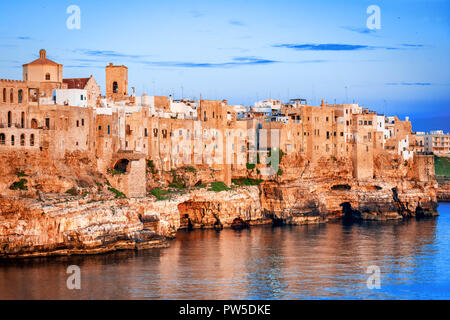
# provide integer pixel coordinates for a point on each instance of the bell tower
(116, 82)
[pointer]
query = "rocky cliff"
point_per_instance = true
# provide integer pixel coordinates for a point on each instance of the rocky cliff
(70, 209)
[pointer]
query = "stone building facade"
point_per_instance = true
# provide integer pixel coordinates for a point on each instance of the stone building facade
(121, 132)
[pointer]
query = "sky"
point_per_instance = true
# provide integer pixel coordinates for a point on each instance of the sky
(245, 51)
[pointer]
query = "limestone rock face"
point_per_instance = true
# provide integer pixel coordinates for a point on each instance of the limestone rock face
(311, 201)
(443, 193)
(32, 228)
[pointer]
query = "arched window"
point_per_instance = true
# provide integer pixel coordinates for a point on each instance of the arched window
(32, 139)
(47, 76)
(22, 140)
(2, 138)
(12, 140)
(20, 96)
(4, 94)
(34, 124)
(11, 95)
(22, 120)
(9, 119)
(115, 87)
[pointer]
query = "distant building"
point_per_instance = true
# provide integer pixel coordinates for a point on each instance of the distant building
(437, 142)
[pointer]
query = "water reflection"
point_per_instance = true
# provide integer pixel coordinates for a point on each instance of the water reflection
(291, 262)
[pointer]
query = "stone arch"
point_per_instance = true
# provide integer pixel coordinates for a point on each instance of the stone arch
(122, 165)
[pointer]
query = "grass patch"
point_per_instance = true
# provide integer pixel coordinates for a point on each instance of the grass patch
(247, 182)
(442, 166)
(19, 185)
(218, 186)
(117, 193)
(114, 172)
(72, 191)
(160, 194)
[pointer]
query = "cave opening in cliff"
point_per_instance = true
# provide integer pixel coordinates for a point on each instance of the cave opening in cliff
(122, 165)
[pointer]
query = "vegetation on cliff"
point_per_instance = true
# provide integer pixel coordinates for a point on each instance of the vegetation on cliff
(442, 166)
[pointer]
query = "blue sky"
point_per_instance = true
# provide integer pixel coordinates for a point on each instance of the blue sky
(248, 50)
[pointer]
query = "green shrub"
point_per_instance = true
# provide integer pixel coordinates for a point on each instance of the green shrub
(20, 174)
(279, 172)
(176, 183)
(247, 182)
(160, 194)
(218, 186)
(72, 191)
(190, 169)
(117, 193)
(19, 185)
(442, 166)
(151, 167)
(250, 166)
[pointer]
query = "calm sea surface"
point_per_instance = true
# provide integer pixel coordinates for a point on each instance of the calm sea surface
(326, 261)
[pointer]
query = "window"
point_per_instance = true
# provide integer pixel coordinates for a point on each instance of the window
(22, 120)
(370, 123)
(9, 119)
(22, 139)
(11, 95)
(365, 122)
(115, 87)
(82, 122)
(47, 76)
(20, 96)
(326, 119)
(109, 129)
(32, 139)
(82, 98)
(99, 128)
(342, 134)
(12, 140)
(4, 94)
(47, 123)
(78, 123)
(2, 138)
